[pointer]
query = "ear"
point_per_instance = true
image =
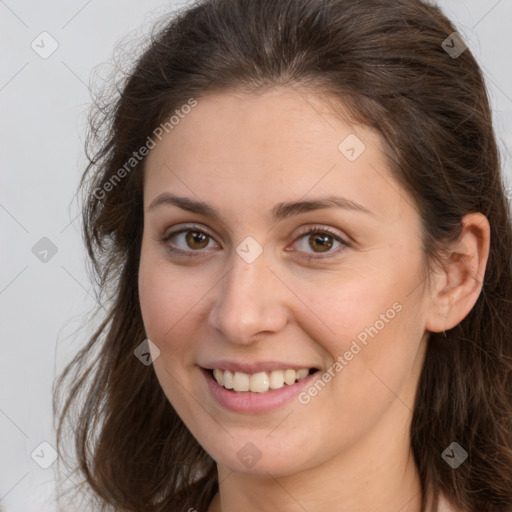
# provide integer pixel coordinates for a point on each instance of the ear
(458, 284)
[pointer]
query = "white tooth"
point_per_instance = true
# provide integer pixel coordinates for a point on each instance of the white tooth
(241, 381)
(228, 379)
(258, 382)
(289, 377)
(276, 379)
(302, 373)
(219, 376)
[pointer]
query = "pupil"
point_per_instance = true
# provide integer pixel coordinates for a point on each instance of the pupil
(194, 237)
(324, 241)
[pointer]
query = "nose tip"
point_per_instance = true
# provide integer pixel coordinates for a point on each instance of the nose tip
(248, 303)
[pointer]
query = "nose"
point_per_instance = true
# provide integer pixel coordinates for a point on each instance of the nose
(249, 302)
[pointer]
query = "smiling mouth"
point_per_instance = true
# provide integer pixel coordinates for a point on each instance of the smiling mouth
(261, 382)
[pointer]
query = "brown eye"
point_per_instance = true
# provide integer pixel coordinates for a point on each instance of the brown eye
(319, 240)
(196, 239)
(187, 241)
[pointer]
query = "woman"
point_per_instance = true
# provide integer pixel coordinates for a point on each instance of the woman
(251, 137)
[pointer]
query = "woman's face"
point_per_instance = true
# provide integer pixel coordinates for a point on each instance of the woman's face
(279, 279)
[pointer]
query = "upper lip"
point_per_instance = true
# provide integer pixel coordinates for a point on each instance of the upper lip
(253, 367)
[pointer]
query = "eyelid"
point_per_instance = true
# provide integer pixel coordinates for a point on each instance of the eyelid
(171, 233)
(168, 233)
(318, 228)
(305, 230)
(312, 229)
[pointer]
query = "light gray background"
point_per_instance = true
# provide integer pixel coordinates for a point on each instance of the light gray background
(42, 125)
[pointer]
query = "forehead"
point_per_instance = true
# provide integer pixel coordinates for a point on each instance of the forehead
(278, 118)
(282, 144)
(276, 126)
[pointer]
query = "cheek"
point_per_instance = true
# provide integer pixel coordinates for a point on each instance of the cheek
(356, 303)
(161, 303)
(370, 322)
(171, 304)
(380, 362)
(152, 298)
(167, 312)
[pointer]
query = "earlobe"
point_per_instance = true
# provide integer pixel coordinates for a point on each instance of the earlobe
(458, 285)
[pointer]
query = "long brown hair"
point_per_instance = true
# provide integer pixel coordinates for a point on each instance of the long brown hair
(387, 63)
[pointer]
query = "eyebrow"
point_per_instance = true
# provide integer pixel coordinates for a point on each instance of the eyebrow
(280, 212)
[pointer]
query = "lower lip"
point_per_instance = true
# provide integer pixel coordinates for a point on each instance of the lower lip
(250, 402)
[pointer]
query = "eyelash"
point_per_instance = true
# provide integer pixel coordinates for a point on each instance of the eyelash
(308, 231)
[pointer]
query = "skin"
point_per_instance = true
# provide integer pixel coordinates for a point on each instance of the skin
(349, 447)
